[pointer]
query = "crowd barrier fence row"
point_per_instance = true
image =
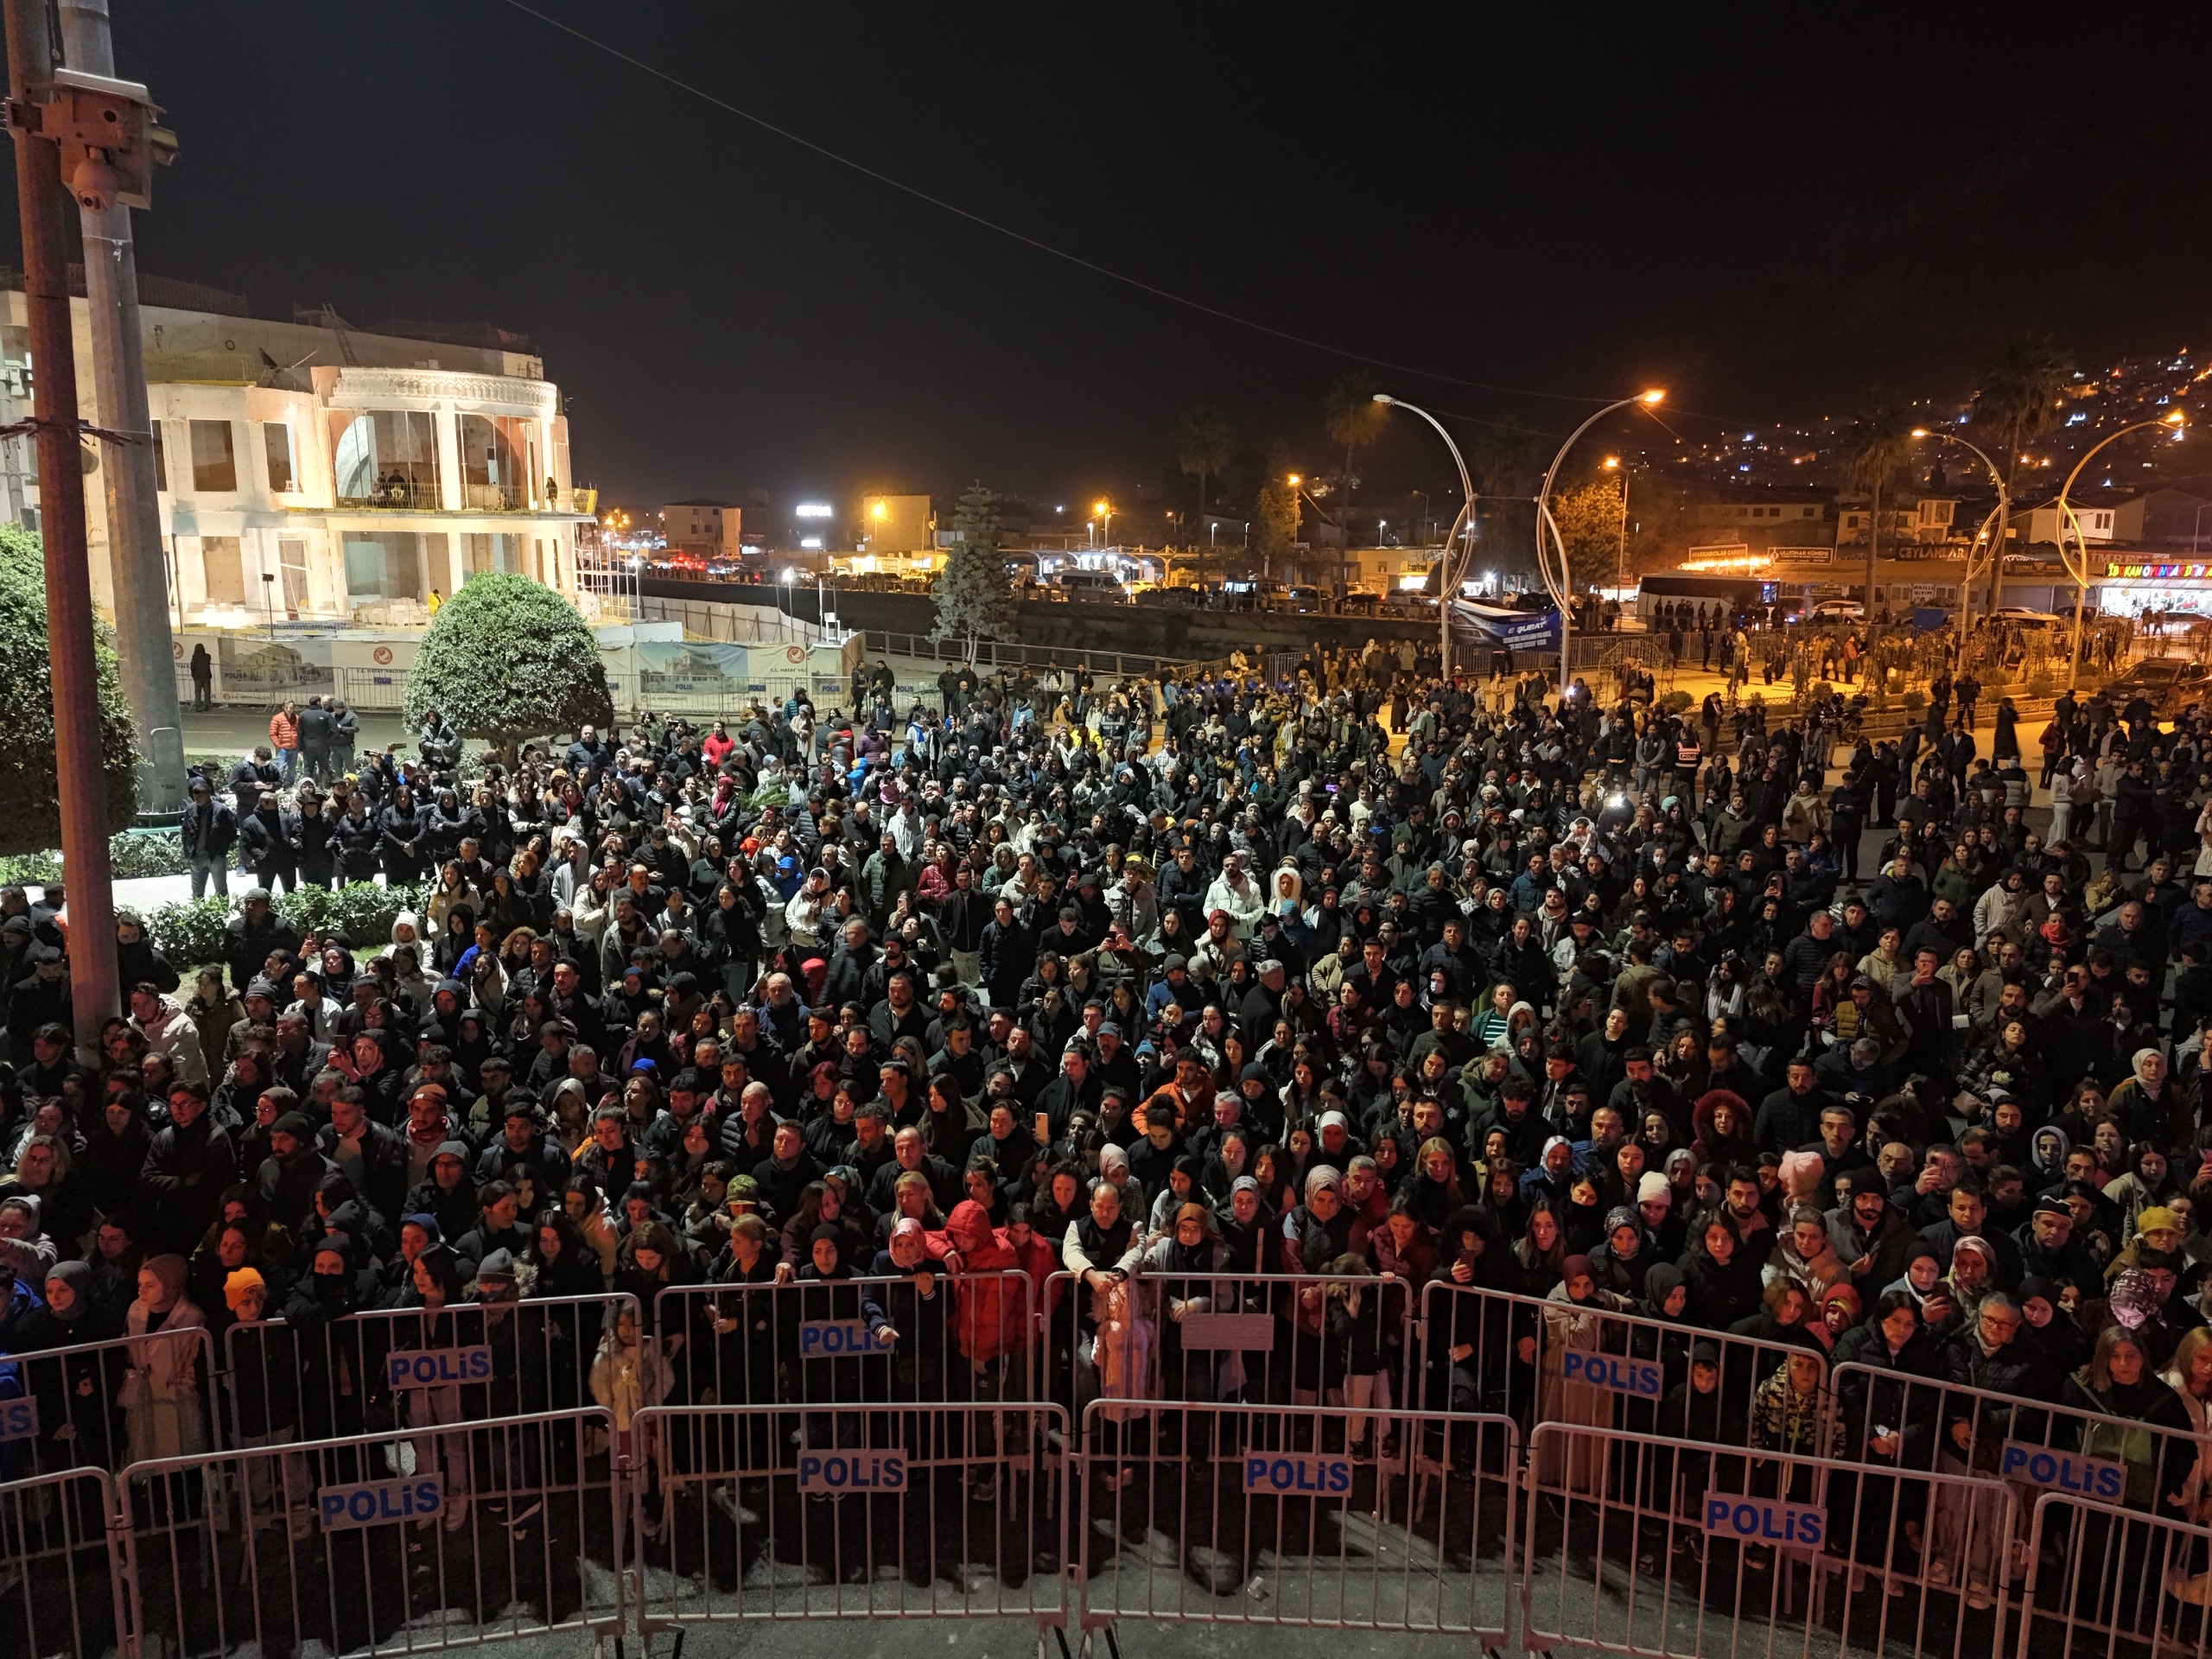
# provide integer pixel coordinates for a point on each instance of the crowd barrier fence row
(606, 1523)
(1260, 1450)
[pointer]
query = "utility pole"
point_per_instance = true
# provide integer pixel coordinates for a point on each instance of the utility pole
(74, 678)
(138, 572)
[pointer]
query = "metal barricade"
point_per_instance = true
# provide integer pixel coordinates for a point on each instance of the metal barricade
(60, 1581)
(1536, 1359)
(99, 1405)
(1893, 1421)
(836, 1510)
(958, 1337)
(451, 1534)
(1672, 1548)
(1247, 1338)
(359, 1374)
(2114, 1579)
(1394, 1520)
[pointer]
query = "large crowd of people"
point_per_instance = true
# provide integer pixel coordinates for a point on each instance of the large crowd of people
(1590, 1010)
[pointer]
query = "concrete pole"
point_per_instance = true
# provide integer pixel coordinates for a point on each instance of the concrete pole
(74, 678)
(138, 570)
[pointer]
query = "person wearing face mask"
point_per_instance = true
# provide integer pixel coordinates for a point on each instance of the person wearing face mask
(333, 1380)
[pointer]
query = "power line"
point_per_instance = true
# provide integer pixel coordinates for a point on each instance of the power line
(1027, 241)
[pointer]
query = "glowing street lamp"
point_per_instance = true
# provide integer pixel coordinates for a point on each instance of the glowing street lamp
(1558, 581)
(1994, 529)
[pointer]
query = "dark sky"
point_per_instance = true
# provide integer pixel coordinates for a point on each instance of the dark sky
(1767, 209)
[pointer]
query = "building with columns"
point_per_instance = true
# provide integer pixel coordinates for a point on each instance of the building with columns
(312, 471)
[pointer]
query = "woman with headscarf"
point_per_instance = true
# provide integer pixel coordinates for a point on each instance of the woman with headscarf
(160, 1402)
(1573, 1319)
(76, 1392)
(1623, 1257)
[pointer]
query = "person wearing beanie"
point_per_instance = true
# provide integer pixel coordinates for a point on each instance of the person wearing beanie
(288, 1176)
(244, 1288)
(162, 1412)
(1573, 1319)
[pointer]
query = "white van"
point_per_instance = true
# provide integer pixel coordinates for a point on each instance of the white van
(1092, 584)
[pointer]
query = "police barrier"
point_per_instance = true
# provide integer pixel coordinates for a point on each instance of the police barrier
(1250, 1338)
(1297, 1514)
(2110, 1579)
(1545, 1359)
(99, 1405)
(956, 1337)
(779, 1512)
(472, 1533)
(61, 1584)
(1890, 1421)
(385, 1368)
(1663, 1546)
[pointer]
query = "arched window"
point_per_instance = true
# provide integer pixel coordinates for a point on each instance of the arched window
(389, 458)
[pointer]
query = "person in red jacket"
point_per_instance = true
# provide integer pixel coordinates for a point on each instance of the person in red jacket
(994, 1322)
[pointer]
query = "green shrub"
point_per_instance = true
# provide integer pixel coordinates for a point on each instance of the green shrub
(362, 911)
(132, 854)
(31, 869)
(2042, 684)
(506, 659)
(137, 853)
(28, 783)
(190, 933)
(1676, 703)
(1913, 701)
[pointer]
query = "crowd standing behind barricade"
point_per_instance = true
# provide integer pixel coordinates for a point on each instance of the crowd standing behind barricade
(1728, 1023)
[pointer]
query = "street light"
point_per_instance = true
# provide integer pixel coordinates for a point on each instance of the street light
(2002, 514)
(1448, 578)
(2080, 571)
(1558, 583)
(1612, 463)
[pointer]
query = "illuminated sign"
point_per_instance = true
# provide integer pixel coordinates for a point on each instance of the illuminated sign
(2159, 572)
(813, 509)
(1802, 554)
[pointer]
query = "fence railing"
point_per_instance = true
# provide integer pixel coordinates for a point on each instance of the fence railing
(449, 1534)
(919, 1337)
(383, 1369)
(742, 1513)
(99, 1405)
(1536, 1359)
(1346, 1509)
(1659, 1547)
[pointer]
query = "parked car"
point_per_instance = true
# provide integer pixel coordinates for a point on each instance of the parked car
(1837, 610)
(2021, 617)
(2168, 684)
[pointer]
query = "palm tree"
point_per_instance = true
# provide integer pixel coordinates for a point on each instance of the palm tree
(1875, 448)
(2019, 402)
(1354, 420)
(1201, 437)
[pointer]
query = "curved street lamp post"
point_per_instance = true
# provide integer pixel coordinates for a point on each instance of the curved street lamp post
(1557, 582)
(2077, 565)
(1450, 577)
(2002, 514)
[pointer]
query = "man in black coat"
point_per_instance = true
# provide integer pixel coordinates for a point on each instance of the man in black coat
(210, 830)
(188, 1165)
(269, 844)
(315, 730)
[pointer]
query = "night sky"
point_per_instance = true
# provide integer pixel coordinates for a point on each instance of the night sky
(1766, 209)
